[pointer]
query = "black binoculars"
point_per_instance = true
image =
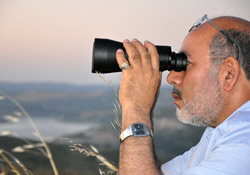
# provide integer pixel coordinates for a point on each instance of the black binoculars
(104, 57)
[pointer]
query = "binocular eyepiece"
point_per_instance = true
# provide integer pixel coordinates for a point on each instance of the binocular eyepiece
(104, 57)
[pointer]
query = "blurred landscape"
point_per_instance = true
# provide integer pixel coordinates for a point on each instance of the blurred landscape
(82, 114)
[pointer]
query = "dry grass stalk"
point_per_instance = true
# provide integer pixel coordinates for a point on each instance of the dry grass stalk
(117, 110)
(25, 113)
(11, 118)
(28, 147)
(116, 123)
(93, 152)
(4, 155)
(104, 78)
(5, 133)
(25, 148)
(117, 106)
(9, 163)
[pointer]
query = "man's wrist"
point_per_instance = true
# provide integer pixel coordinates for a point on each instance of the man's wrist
(136, 130)
(127, 121)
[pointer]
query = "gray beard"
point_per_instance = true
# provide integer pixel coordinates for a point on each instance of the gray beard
(206, 106)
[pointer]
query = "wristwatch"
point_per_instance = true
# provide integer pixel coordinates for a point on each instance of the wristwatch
(136, 130)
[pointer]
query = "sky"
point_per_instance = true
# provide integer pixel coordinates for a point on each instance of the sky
(52, 40)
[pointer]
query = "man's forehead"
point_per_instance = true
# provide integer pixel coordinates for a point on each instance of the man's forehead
(196, 44)
(197, 38)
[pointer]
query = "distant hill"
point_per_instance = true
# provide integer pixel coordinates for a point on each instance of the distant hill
(61, 101)
(71, 102)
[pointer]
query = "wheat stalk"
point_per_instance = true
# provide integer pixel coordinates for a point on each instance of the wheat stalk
(29, 145)
(93, 152)
(20, 164)
(9, 163)
(37, 133)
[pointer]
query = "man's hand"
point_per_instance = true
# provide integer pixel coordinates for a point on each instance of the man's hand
(138, 90)
(140, 80)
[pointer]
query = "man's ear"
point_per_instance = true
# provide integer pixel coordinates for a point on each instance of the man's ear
(229, 73)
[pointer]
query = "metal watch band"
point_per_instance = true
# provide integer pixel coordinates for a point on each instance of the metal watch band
(137, 130)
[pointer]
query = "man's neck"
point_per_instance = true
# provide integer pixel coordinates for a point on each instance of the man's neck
(230, 108)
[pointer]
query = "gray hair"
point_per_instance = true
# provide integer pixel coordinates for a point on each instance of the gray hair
(221, 48)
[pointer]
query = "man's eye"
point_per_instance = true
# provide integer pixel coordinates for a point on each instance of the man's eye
(188, 64)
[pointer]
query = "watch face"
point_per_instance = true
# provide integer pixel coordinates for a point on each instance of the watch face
(139, 129)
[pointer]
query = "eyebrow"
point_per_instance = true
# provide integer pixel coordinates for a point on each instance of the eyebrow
(186, 53)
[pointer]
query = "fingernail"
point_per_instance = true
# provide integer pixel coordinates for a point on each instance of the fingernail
(134, 39)
(126, 40)
(147, 42)
(119, 51)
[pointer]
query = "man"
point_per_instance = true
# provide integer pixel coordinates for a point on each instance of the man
(214, 91)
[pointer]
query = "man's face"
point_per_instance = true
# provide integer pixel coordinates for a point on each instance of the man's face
(205, 106)
(197, 90)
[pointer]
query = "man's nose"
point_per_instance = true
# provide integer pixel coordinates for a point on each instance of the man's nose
(175, 78)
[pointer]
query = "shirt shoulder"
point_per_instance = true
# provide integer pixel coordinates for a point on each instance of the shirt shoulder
(235, 129)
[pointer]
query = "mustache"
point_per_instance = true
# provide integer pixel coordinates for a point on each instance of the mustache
(177, 92)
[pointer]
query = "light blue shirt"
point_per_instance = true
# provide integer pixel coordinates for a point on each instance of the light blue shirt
(224, 150)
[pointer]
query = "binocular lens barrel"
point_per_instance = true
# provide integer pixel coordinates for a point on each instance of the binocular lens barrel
(104, 57)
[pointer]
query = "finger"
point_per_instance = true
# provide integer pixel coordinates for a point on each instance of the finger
(133, 54)
(153, 54)
(144, 54)
(121, 60)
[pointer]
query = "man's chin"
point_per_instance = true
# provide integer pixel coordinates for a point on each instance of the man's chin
(180, 115)
(189, 119)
